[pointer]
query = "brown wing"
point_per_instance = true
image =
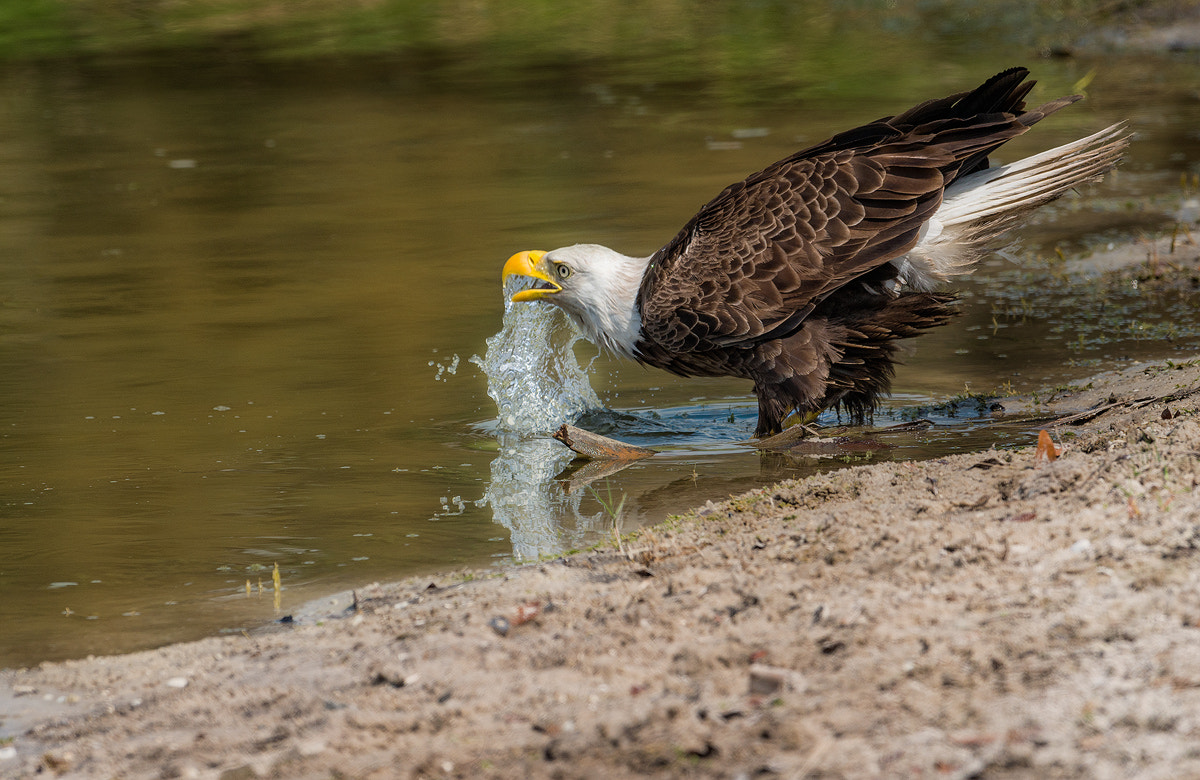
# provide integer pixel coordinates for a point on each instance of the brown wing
(755, 261)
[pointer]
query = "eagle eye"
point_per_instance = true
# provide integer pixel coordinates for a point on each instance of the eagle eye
(563, 271)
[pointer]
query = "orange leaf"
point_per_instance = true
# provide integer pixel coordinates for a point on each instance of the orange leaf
(527, 612)
(1046, 448)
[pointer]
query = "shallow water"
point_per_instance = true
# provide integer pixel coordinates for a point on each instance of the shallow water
(240, 302)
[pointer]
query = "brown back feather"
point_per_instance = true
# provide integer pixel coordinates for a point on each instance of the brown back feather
(763, 254)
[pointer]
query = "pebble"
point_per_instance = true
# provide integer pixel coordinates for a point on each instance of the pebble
(177, 682)
(310, 747)
(1082, 547)
(766, 680)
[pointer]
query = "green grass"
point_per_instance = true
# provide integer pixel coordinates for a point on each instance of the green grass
(33, 28)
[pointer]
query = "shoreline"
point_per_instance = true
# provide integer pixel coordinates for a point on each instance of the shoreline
(984, 612)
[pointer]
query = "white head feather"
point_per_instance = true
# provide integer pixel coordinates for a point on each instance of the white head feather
(600, 294)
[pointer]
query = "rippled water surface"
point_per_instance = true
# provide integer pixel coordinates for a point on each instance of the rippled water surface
(240, 303)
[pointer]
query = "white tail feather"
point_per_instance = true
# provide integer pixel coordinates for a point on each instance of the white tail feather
(979, 207)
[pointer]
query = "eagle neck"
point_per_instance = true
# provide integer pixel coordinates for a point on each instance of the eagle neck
(616, 324)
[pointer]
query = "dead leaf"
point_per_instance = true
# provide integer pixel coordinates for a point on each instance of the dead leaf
(1046, 447)
(527, 612)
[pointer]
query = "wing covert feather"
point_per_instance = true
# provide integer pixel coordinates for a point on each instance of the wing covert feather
(758, 258)
(762, 254)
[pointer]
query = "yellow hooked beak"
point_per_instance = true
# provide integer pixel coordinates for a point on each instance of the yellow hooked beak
(530, 264)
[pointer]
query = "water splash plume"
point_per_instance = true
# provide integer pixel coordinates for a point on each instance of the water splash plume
(533, 374)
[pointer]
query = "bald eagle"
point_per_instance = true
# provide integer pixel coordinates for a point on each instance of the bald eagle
(802, 276)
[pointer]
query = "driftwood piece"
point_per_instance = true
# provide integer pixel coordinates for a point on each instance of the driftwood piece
(789, 437)
(597, 447)
(800, 438)
(1134, 403)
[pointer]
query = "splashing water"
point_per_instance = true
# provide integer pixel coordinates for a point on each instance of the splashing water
(533, 374)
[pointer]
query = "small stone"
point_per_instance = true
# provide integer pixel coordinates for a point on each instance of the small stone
(388, 674)
(58, 762)
(177, 682)
(766, 680)
(310, 747)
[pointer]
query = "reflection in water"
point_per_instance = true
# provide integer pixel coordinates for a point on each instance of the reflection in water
(537, 383)
(527, 498)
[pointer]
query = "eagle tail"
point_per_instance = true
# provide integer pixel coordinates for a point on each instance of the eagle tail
(978, 208)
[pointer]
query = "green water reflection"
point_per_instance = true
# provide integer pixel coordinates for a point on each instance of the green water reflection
(239, 299)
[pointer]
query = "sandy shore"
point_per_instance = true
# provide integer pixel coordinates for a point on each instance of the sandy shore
(992, 614)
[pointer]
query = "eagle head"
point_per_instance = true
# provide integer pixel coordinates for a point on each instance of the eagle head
(595, 286)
